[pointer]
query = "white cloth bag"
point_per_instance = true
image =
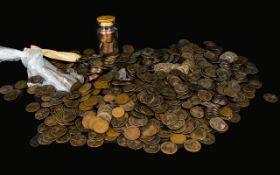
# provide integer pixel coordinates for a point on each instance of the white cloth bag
(33, 60)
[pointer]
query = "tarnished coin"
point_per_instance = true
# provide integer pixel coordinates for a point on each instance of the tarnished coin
(226, 112)
(122, 141)
(12, 95)
(78, 140)
(197, 112)
(68, 115)
(137, 121)
(42, 113)
(79, 125)
(119, 122)
(91, 101)
(36, 79)
(31, 90)
(84, 98)
(169, 118)
(58, 131)
(229, 57)
(209, 139)
(21, 84)
(206, 83)
(168, 148)
(32, 107)
(50, 120)
(189, 127)
(131, 133)
(235, 118)
(218, 124)
(122, 99)
(128, 49)
(85, 87)
(75, 86)
(71, 103)
(74, 95)
(199, 133)
(42, 127)
(204, 95)
(255, 83)
(129, 106)
(134, 144)
(192, 145)
(95, 136)
(152, 140)
(129, 87)
(46, 104)
(34, 141)
(63, 139)
(187, 104)
(152, 149)
(5, 89)
(83, 107)
(73, 130)
(46, 98)
(151, 128)
(98, 84)
(176, 126)
(47, 89)
(271, 98)
(95, 143)
(109, 98)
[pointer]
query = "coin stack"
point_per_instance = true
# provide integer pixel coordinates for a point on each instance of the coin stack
(131, 104)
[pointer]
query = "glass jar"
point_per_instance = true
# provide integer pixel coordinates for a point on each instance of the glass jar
(107, 34)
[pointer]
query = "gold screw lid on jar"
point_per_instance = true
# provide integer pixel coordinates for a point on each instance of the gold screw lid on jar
(106, 19)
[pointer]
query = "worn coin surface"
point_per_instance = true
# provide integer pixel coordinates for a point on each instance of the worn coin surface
(122, 99)
(32, 107)
(5, 89)
(131, 133)
(168, 148)
(21, 84)
(218, 124)
(192, 145)
(271, 98)
(12, 95)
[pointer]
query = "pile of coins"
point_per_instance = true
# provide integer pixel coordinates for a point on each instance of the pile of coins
(124, 100)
